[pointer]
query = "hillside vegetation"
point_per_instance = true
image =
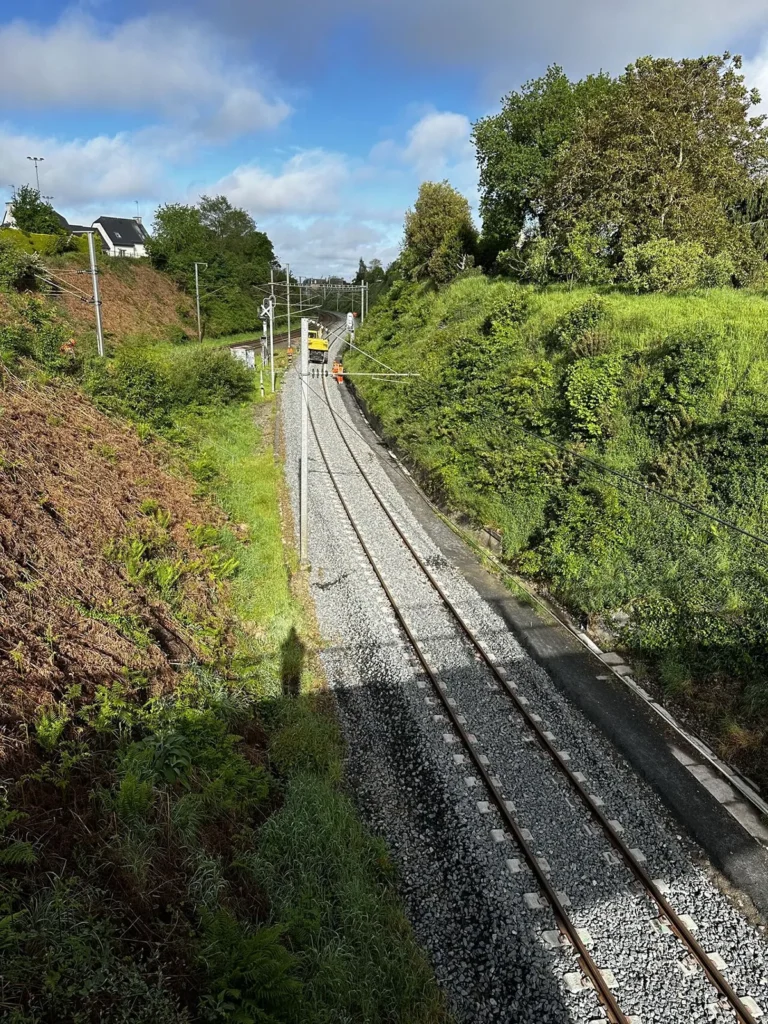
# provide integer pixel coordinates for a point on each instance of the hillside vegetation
(516, 386)
(176, 843)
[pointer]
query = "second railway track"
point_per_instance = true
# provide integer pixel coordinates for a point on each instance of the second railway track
(685, 957)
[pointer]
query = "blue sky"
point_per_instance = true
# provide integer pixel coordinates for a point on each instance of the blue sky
(320, 118)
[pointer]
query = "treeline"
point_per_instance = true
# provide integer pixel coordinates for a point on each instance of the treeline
(237, 258)
(655, 180)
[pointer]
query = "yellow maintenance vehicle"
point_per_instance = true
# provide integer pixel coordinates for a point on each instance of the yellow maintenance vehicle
(318, 343)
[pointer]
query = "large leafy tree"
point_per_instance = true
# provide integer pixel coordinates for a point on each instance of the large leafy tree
(669, 153)
(34, 214)
(517, 151)
(574, 176)
(440, 238)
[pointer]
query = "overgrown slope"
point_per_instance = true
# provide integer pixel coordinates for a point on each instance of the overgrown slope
(519, 389)
(175, 841)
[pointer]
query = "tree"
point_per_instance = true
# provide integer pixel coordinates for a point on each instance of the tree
(517, 151)
(440, 238)
(362, 273)
(669, 153)
(33, 214)
(376, 272)
(238, 257)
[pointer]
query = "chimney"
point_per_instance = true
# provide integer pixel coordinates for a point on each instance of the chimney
(137, 218)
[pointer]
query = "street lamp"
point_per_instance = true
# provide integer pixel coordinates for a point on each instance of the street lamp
(36, 160)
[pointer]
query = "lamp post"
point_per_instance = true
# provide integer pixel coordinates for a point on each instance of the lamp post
(36, 160)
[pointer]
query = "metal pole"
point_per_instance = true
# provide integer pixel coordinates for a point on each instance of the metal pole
(304, 482)
(288, 299)
(362, 303)
(197, 305)
(197, 301)
(272, 326)
(272, 343)
(96, 297)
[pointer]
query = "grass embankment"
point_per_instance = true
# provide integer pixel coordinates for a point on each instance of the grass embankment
(516, 385)
(176, 842)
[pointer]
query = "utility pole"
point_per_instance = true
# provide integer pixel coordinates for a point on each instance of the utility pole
(37, 160)
(288, 299)
(96, 297)
(304, 468)
(362, 303)
(272, 325)
(197, 301)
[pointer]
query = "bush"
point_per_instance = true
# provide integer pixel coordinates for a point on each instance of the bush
(507, 314)
(717, 271)
(17, 267)
(136, 384)
(209, 376)
(571, 328)
(591, 388)
(175, 334)
(662, 265)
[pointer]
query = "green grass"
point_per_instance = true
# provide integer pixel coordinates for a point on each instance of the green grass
(671, 389)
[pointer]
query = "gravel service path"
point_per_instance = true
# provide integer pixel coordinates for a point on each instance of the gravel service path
(474, 903)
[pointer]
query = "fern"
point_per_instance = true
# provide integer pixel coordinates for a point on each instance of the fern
(18, 854)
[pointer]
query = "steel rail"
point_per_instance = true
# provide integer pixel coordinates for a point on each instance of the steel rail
(676, 924)
(566, 926)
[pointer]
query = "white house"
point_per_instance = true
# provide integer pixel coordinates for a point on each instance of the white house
(122, 236)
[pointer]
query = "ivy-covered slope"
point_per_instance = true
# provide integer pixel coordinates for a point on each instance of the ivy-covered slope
(518, 389)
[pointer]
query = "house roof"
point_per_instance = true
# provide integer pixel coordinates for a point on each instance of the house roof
(122, 231)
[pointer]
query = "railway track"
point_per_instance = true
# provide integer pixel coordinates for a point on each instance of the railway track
(632, 859)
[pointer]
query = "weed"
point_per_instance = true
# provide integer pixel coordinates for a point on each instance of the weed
(50, 724)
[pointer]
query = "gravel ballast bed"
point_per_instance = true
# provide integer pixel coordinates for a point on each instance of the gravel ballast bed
(489, 950)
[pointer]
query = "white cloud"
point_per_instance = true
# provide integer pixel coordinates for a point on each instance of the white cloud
(437, 140)
(437, 146)
(756, 76)
(331, 246)
(310, 182)
(176, 69)
(82, 174)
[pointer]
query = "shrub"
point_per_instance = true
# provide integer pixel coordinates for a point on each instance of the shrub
(507, 314)
(662, 265)
(18, 268)
(680, 388)
(139, 382)
(209, 376)
(717, 271)
(570, 328)
(175, 334)
(591, 386)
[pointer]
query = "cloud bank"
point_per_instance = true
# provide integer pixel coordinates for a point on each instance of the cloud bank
(154, 65)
